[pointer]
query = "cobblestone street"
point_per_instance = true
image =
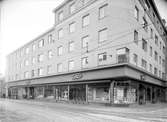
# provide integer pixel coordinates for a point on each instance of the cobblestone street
(35, 111)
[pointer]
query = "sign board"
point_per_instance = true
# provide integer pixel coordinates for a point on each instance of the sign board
(77, 76)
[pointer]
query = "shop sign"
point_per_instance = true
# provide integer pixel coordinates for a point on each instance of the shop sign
(142, 77)
(77, 76)
(28, 82)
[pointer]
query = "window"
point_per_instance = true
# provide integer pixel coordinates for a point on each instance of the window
(26, 62)
(159, 59)
(72, 8)
(159, 73)
(85, 20)
(33, 60)
(136, 37)
(151, 33)
(33, 47)
(163, 63)
(27, 50)
(135, 59)
(144, 64)
(71, 46)
(144, 45)
(50, 54)
(50, 40)
(60, 16)
(136, 13)
(59, 67)
(155, 71)
(32, 73)
(164, 50)
(72, 27)
(22, 52)
(151, 51)
(21, 64)
(150, 68)
(163, 76)
(26, 74)
(145, 24)
(102, 11)
(41, 43)
(84, 61)
(60, 33)
(49, 69)
(102, 34)
(40, 71)
(16, 77)
(71, 65)
(123, 55)
(156, 56)
(156, 40)
(102, 57)
(60, 50)
(85, 41)
(40, 57)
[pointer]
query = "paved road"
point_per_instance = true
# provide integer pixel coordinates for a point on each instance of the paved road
(35, 111)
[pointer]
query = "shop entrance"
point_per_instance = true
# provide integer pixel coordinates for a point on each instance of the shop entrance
(31, 92)
(142, 94)
(77, 92)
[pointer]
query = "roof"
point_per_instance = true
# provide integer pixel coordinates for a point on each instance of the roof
(61, 5)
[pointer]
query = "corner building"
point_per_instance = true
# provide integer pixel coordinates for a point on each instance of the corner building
(99, 51)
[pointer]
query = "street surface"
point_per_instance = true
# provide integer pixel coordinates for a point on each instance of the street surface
(42, 111)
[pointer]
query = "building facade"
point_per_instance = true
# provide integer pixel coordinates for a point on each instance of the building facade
(104, 51)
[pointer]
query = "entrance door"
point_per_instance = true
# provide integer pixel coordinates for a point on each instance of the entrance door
(142, 96)
(31, 93)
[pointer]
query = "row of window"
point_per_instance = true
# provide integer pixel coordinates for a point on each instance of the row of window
(145, 47)
(72, 8)
(144, 65)
(122, 57)
(72, 29)
(84, 63)
(71, 45)
(145, 23)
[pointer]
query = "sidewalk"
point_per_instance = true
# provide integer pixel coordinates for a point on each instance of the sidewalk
(137, 108)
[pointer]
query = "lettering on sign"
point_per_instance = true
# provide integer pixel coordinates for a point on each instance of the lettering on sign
(143, 77)
(77, 76)
(28, 82)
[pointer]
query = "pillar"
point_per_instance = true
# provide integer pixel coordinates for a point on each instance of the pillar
(151, 97)
(138, 93)
(43, 91)
(68, 88)
(86, 93)
(166, 95)
(112, 92)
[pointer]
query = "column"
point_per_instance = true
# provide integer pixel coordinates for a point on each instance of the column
(68, 88)
(112, 92)
(43, 91)
(151, 98)
(166, 95)
(86, 93)
(28, 92)
(137, 93)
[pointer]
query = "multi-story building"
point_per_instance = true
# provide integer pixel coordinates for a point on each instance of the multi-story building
(106, 51)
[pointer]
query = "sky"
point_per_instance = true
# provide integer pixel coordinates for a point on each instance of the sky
(23, 20)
